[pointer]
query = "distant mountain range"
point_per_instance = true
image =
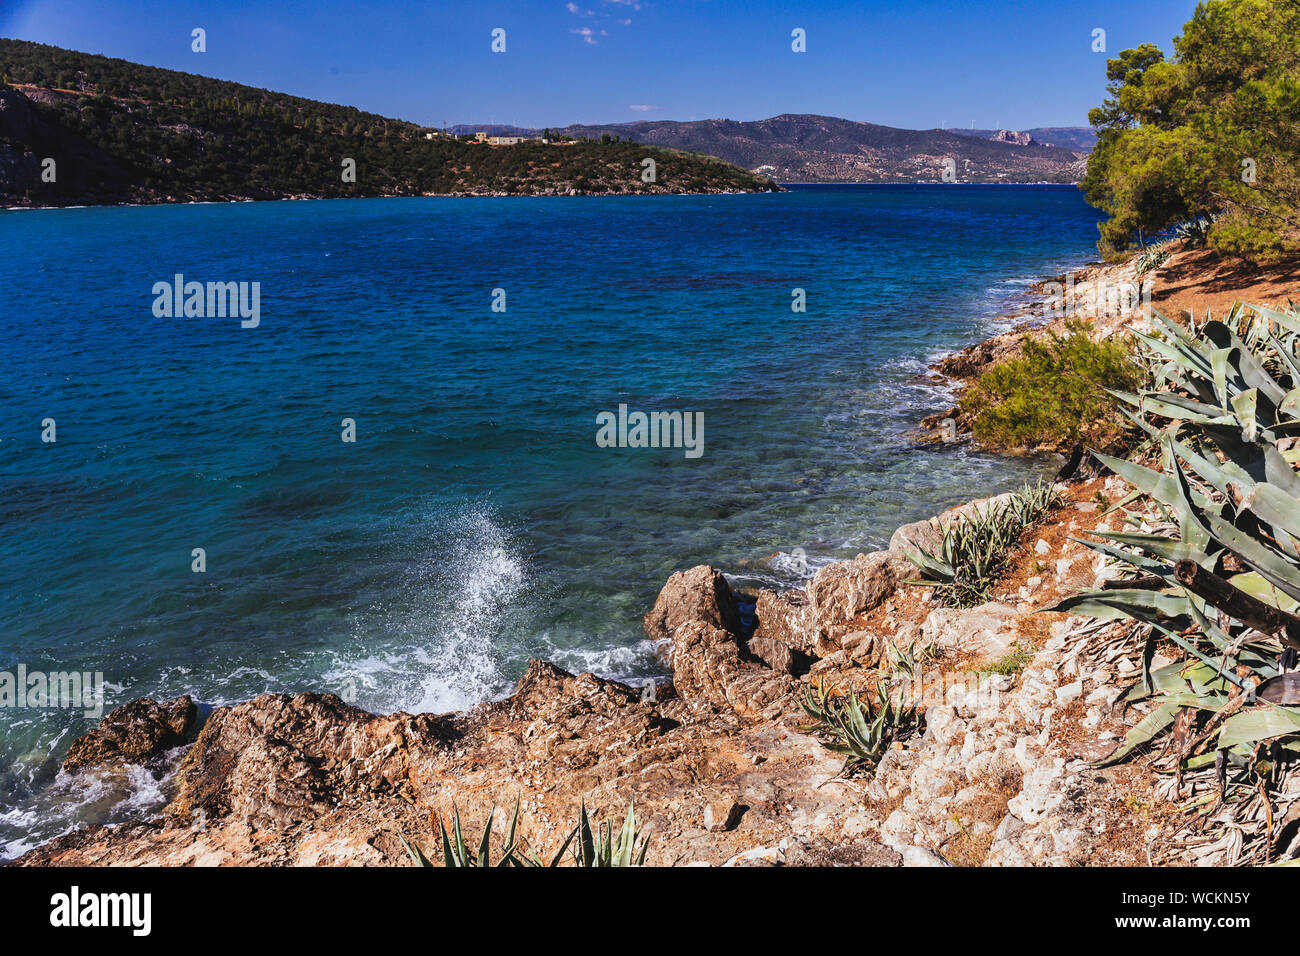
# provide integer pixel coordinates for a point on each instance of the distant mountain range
(806, 148)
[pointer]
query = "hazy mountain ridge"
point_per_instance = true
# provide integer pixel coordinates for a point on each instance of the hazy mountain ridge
(812, 148)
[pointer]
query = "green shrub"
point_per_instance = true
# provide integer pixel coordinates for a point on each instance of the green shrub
(1054, 394)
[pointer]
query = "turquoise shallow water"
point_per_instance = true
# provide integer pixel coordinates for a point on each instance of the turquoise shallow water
(474, 523)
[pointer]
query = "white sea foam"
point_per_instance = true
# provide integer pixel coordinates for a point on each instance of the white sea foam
(446, 617)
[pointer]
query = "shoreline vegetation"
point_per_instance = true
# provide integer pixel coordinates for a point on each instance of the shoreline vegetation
(1099, 670)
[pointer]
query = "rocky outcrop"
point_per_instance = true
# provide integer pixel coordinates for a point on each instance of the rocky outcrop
(784, 637)
(698, 596)
(843, 591)
(31, 133)
(306, 779)
(134, 733)
(1013, 137)
(696, 614)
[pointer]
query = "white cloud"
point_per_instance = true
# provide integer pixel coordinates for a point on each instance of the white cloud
(587, 35)
(642, 108)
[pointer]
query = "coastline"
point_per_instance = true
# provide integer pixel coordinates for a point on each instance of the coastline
(718, 760)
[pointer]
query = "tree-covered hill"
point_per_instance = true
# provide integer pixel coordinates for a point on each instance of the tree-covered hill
(122, 132)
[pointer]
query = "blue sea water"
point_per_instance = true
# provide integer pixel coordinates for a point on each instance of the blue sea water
(474, 523)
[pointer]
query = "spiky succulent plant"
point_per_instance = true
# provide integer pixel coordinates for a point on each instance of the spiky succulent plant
(1220, 578)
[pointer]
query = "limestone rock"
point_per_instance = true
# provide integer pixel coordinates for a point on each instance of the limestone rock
(700, 595)
(840, 592)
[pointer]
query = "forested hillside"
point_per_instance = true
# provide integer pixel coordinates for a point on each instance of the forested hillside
(122, 132)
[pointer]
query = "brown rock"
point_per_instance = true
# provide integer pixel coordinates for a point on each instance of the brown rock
(823, 852)
(721, 813)
(135, 732)
(696, 613)
(785, 618)
(779, 656)
(700, 595)
(842, 591)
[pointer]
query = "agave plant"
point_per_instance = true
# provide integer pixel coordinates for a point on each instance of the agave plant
(1222, 582)
(975, 550)
(1195, 230)
(1152, 257)
(598, 847)
(854, 727)
(455, 852)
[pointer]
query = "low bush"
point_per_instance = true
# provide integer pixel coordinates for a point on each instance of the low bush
(1054, 394)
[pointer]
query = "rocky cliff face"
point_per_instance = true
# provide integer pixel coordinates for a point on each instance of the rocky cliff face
(716, 761)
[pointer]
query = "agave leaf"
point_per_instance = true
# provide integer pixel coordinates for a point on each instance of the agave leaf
(1245, 363)
(586, 842)
(484, 846)
(415, 853)
(1126, 602)
(1172, 405)
(462, 851)
(1155, 484)
(627, 838)
(1261, 557)
(559, 854)
(1150, 565)
(1290, 321)
(1290, 406)
(1274, 506)
(1148, 728)
(1251, 726)
(1254, 584)
(1245, 405)
(448, 853)
(1167, 549)
(1219, 370)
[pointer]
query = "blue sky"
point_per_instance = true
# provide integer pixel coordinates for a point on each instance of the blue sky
(910, 63)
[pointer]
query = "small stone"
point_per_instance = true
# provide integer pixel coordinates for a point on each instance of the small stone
(720, 814)
(1069, 692)
(1042, 547)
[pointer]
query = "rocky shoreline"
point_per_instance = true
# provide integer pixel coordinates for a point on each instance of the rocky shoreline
(717, 761)
(1016, 703)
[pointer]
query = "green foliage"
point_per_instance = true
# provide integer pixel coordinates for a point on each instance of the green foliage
(1054, 393)
(1012, 662)
(976, 549)
(1223, 419)
(455, 852)
(150, 134)
(598, 847)
(1176, 136)
(854, 726)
